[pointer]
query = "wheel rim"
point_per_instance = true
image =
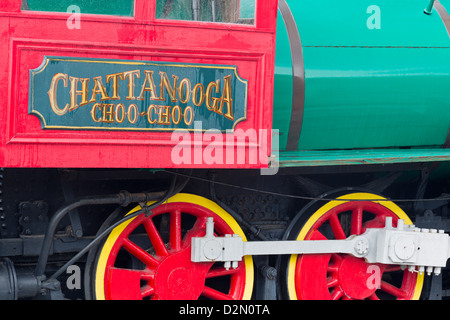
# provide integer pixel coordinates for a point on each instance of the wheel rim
(341, 276)
(150, 257)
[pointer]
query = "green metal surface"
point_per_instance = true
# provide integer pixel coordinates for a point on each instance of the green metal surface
(381, 98)
(346, 23)
(362, 157)
(283, 84)
(374, 79)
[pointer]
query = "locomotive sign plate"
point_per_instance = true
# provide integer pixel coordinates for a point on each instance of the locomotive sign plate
(101, 94)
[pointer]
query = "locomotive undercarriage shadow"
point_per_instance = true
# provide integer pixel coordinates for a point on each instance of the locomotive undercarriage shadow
(258, 204)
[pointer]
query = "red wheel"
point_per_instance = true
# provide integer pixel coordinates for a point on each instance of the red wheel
(341, 276)
(150, 257)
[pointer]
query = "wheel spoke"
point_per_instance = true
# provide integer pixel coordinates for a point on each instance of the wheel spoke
(332, 282)
(357, 219)
(197, 230)
(374, 297)
(147, 275)
(200, 224)
(342, 276)
(332, 268)
(147, 291)
(392, 268)
(337, 227)
(220, 272)
(214, 294)
(139, 253)
(392, 290)
(155, 238)
(175, 230)
(337, 294)
(334, 264)
(376, 222)
(336, 258)
(162, 267)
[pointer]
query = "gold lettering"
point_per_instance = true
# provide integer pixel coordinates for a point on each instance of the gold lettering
(149, 85)
(99, 88)
(226, 98)
(120, 109)
(164, 112)
(214, 97)
(209, 98)
(115, 83)
(188, 119)
(74, 92)
(171, 90)
(108, 112)
(196, 100)
(149, 114)
(52, 93)
(176, 119)
(132, 113)
(184, 83)
(94, 111)
(131, 84)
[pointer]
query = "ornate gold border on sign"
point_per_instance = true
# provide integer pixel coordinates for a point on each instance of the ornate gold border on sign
(33, 109)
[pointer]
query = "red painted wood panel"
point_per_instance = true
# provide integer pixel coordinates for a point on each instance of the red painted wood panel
(27, 37)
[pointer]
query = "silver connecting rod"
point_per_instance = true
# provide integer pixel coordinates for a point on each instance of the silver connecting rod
(405, 245)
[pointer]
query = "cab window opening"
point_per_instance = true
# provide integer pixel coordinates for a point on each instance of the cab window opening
(221, 11)
(105, 7)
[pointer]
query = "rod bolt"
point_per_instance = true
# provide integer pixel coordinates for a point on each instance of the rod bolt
(362, 246)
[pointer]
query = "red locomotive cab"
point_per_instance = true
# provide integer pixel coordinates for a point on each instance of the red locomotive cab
(137, 83)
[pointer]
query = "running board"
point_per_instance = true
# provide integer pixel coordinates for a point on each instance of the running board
(308, 158)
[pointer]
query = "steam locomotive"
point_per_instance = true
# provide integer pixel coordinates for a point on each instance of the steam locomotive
(224, 149)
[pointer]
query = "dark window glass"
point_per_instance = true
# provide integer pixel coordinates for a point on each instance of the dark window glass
(225, 11)
(108, 7)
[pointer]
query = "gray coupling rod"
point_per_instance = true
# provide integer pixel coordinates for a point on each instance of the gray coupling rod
(418, 249)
